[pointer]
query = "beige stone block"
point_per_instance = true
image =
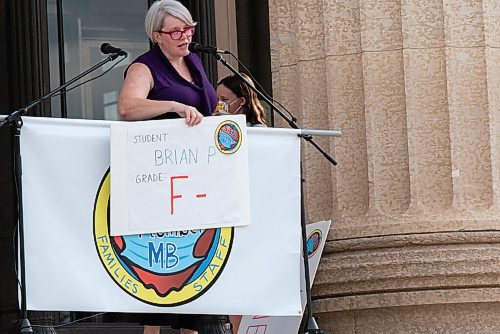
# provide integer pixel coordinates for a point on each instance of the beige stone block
(412, 240)
(408, 298)
(346, 104)
(422, 22)
(403, 284)
(414, 223)
(464, 318)
(463, 20)
(381, 25)
(493, 83)
(310, 29)
(286, 90)
(342, 27)
(410, 268)
(491, 14)
(386, 132)
(469, 128)
(428, 129)
(283, 27)
(493, 79)
(274, 45)
(312, 92)
(274, 54)
(337, 323)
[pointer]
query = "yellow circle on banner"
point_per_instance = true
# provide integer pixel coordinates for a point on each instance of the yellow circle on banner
(129, 283)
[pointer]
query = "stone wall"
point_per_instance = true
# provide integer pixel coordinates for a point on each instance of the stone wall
(415, 199)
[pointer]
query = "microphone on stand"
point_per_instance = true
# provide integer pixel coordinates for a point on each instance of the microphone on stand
(107, 48)
(195, 47)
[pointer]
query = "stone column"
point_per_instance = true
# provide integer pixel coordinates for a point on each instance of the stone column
(491, 18)
(415, 88)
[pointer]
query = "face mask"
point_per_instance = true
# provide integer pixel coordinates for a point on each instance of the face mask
(223, 108)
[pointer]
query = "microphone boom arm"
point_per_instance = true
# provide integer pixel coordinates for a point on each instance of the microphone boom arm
(14, 116)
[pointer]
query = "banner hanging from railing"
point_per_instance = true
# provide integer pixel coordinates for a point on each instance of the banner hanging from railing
(73, 263)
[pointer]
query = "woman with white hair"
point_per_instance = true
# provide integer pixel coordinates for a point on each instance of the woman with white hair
(167, 82)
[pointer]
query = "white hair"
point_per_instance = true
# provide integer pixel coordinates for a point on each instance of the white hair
(159, 10)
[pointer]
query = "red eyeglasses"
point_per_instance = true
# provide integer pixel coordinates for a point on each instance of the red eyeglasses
(177, 34)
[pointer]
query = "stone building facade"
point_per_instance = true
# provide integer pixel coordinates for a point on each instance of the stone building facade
(414, 86)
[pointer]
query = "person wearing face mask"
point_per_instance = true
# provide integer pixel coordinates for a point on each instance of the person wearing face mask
(167, 82)
(236, 97)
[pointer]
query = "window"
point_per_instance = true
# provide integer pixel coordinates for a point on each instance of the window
(86, 24)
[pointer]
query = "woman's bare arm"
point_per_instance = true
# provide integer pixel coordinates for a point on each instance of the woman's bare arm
(133, 104)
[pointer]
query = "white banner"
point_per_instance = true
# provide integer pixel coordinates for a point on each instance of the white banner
(166, 176)
(72, 262)
(254, 324)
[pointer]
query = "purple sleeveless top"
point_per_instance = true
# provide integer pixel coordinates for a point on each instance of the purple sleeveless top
(170, 86)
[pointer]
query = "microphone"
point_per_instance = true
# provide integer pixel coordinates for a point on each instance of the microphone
(195, 47)
(107, 48)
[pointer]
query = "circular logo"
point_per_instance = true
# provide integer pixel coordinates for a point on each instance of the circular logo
(313, 242)
(162, 269)
(228, 137)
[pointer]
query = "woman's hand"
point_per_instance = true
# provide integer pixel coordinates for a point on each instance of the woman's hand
(191, 114)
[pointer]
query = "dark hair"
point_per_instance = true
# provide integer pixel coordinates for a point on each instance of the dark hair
(253, 108)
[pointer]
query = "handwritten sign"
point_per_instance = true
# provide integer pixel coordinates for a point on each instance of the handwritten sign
(166, 176)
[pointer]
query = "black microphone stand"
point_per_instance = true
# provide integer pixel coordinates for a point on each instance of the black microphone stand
(14, 119)
(311, 326)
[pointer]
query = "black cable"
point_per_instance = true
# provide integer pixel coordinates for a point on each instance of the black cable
(14, 234)
(68, 323)
(15, 254)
